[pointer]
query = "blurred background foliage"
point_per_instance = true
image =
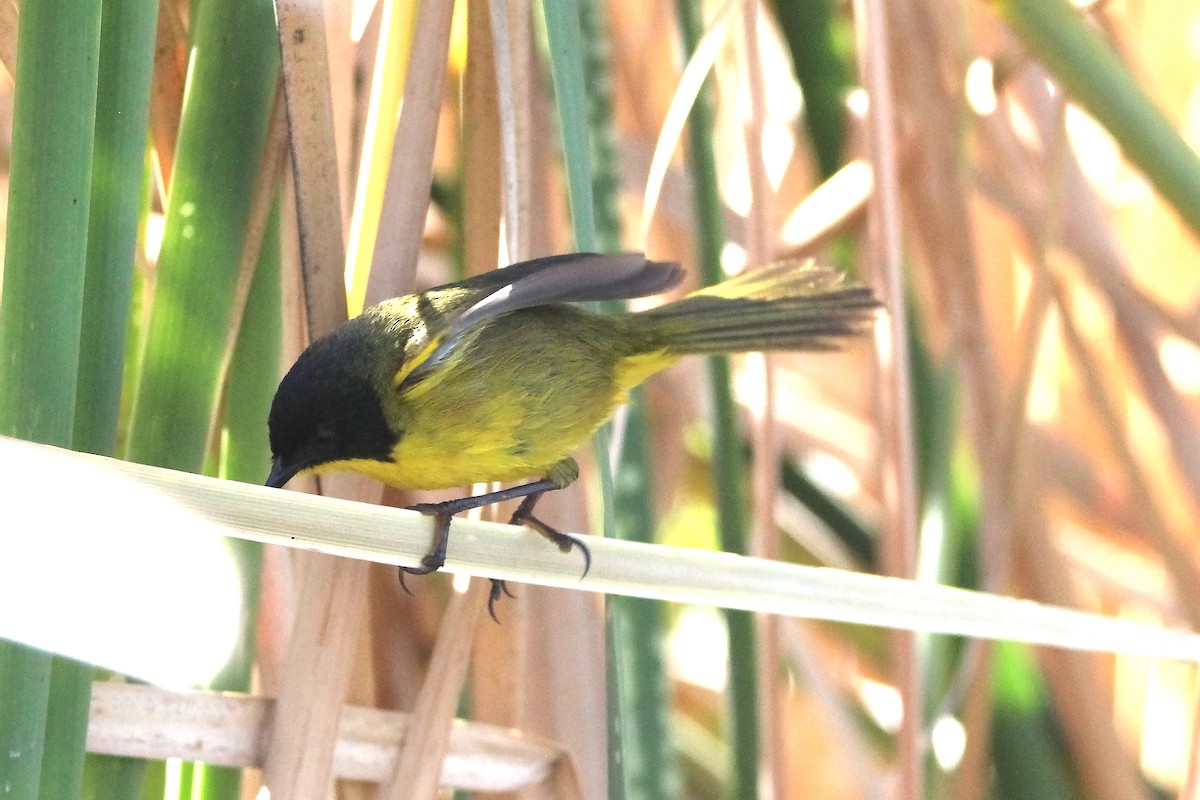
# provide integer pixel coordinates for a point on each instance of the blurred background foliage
(1043, 189)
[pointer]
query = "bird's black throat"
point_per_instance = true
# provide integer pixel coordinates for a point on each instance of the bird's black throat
(327, 409)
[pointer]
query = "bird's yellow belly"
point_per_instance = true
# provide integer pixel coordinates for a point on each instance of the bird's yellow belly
(472, 428)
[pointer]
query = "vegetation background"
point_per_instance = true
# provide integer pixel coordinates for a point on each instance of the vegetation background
(186, 181)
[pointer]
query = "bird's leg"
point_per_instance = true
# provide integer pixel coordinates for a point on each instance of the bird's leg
(462, 504)
(565, 542)
(559, 476)
(524, 516)
(435, 558)
(442, 512)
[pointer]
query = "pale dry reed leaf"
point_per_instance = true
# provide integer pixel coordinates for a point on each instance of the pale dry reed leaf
(862, 764)
(277, 605)
(690, 83)
(511, 35)
(1105, 770)
(1177, 557)
(900, 531)
(492, 179)
(8, 37)
(410, 171)
(230, 730)
(418, 770)
(764, 536)
(837, 203)
(402, 632)
(166, 90)
(482, 138)
(344, 96)
(305, 69)
(317, 670)
(564, 658)
(378, 139)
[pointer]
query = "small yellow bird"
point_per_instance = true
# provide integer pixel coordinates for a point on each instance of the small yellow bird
(497, 378)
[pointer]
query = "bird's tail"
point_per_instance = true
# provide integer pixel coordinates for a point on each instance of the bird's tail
(788, 305)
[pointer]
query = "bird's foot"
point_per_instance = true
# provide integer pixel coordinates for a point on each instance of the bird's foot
(564, 541)
(499, 588)
(435, 559)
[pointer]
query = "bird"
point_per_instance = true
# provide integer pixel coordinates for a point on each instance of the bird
(502, 376)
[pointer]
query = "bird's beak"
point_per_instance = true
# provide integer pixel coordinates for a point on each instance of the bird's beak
(281, 473)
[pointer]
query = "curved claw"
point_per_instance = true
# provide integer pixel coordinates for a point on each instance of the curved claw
(404, 571)
(564, 541)
(499, 587)
(429, 563)
(587, 555)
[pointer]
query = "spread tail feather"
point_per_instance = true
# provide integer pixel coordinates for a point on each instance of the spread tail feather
(785, 306)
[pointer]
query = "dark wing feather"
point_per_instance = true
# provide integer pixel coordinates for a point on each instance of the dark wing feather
(571, 278)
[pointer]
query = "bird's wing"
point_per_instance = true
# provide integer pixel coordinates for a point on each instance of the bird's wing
(572, 278)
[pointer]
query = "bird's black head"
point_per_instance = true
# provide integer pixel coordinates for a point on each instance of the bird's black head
(327, 407)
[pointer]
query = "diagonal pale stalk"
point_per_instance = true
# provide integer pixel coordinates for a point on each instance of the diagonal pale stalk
(691, 83)
(728, 479)
(43, 702)
(418, 769)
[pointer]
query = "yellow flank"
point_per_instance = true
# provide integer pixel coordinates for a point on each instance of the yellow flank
(634, 369)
